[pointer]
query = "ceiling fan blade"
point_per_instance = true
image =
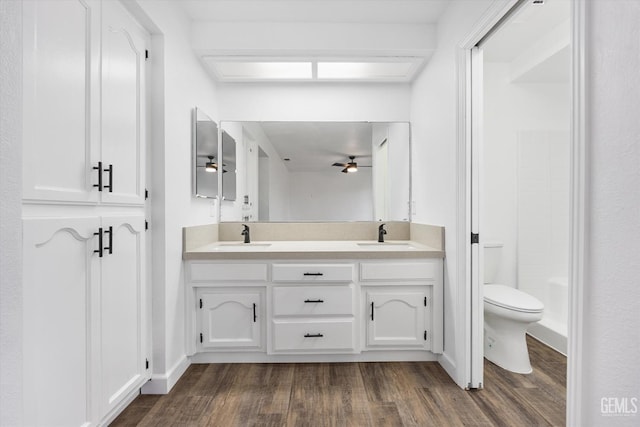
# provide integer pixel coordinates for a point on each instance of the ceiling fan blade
(345, 170)
(342, 165)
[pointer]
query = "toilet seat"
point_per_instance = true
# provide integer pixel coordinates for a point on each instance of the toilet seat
(511, 299)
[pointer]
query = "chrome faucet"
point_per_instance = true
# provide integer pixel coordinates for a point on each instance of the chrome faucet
(381, 233)
(245, 233)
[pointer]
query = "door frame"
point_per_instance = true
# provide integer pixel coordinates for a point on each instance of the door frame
(471, 298)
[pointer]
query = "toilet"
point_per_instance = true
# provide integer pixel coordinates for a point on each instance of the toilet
(507, 314)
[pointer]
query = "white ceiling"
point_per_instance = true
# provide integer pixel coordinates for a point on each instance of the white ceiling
(374, 33)
(330, 11)
(525, 29)
(315, 146)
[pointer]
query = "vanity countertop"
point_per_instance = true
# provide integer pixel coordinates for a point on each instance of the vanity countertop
(314, 249)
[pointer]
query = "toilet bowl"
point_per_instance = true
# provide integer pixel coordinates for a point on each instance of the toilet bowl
(507, 314)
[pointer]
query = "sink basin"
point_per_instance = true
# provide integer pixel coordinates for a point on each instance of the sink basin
(387, 245)
(241, 244)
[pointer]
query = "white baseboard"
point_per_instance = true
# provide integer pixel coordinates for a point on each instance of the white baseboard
(365, 356)
(108, 419)
(549, 337)
(163, 383)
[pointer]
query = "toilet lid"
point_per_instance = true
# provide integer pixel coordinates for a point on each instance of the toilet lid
(512, 299)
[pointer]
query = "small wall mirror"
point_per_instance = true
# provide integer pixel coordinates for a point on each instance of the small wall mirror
(320, 171)
(229, 163)
(205, 153)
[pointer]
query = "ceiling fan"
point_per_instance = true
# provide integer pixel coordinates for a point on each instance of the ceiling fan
(351, 166)
(211, 165)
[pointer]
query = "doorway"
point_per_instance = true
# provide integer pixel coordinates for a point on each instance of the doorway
(471, 110)
(524, 191)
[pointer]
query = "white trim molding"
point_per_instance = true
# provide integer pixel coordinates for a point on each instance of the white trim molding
(486, 24)
(163, 383)
(578, 214)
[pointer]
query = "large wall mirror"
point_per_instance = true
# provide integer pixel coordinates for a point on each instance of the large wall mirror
(320, 171)
(205, 155)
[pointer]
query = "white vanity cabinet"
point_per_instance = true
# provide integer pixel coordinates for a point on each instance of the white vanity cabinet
(313, 308)
(403, 305)
(397, 317)
(230, 318)
(351, 310)
(228, 301)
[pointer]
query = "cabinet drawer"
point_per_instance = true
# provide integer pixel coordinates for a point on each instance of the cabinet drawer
(207, 272)
(312, 300)
(399, 271)
(310, 336)
(313, 272)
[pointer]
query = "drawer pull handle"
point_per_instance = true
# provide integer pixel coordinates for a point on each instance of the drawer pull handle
(110, 233)
(99, 169)
(371, 310)
(255, 316)
(313, 274)
(313, 300)
(99, 251)
(313, 335)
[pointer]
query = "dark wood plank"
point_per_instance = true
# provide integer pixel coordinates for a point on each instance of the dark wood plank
(356, 394)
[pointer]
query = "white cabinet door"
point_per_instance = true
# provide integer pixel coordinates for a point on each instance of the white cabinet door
(123, 106)
(396, 318)
(122, 309)
(61, 100)
(60, 276)
(230, 319)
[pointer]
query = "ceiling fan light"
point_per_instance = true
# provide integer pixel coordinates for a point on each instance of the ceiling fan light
(352, 167)
(211, 166)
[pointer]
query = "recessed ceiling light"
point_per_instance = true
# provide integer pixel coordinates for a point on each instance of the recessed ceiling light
(268, 70)
(365, 70)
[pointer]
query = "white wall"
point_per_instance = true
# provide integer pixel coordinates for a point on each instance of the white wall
(434, 137)
(543, 217)
(612, 320)
(179, 85)
(11, 213)
(314, 102)
(331, 196)
(398, 192)
(278, 175)
(511, 108)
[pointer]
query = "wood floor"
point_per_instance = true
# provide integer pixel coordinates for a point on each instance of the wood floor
(356, 394)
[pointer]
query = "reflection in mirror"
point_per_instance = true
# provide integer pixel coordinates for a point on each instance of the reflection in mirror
(229, 166)
(321, 171)
(205, 152)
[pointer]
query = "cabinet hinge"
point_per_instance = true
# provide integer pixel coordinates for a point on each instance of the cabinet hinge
(201, 337)
(146, 54)
(425, 301)
(146, 194)
(200, 302)
(146, 225)
(146, 363)
(475, 238)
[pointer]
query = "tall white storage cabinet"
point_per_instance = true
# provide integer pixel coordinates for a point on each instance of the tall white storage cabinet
(86, 315)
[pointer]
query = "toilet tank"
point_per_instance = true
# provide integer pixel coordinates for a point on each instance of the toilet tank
(492, 253)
